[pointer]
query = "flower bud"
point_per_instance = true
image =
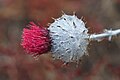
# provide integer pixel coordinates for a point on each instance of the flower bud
(68, 35)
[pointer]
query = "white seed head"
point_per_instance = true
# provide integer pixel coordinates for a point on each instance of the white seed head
(68, 35)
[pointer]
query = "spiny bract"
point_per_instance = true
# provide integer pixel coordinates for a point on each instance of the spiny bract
(68, 35)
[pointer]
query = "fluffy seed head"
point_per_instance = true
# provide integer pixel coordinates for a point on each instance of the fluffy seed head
(35, 39)
(68, 35)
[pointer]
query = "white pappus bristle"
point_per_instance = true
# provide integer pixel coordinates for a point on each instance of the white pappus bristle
(68, 35)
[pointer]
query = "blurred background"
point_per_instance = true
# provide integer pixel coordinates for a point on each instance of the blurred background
(103, 62)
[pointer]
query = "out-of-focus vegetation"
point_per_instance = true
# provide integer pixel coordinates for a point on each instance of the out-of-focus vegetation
(103, 62)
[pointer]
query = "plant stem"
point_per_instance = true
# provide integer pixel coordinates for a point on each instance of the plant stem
(106, 33)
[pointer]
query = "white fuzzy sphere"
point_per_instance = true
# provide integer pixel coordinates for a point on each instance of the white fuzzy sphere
(68, 35)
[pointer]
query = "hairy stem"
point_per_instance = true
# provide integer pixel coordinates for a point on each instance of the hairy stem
(106, 33)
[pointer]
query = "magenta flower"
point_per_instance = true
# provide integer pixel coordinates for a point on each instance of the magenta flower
(35, 40)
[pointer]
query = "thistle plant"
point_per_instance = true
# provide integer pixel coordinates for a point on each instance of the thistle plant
(67, 38)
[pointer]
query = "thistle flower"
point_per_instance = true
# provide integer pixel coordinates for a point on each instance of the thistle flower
(68, 39)
(68, 35)
(35, 39)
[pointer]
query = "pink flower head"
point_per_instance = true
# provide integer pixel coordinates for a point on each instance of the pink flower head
(35, 40)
